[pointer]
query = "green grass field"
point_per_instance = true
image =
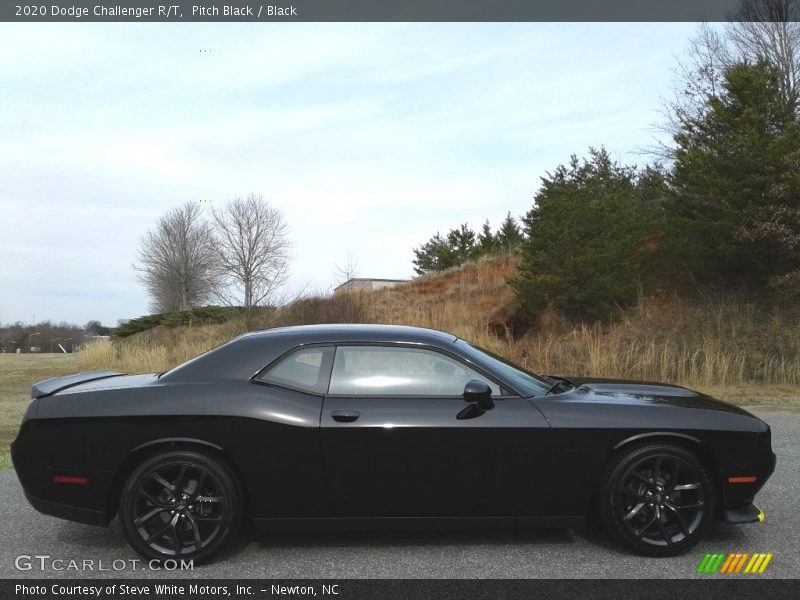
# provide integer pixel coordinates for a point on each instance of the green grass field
(19, 371)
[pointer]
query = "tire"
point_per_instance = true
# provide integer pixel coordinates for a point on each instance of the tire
(658, 500)
(180, 505)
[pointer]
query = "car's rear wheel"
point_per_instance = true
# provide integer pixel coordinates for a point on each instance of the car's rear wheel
(180, 505)
(657, 499)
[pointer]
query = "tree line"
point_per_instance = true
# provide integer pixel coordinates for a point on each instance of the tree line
(48, 337)
(459, 245)
(718, 207)
(236, 256)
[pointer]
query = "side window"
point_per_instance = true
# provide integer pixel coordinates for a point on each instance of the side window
(305, 369)
(397, 371)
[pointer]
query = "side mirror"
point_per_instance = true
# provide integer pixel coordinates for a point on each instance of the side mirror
(480, 393)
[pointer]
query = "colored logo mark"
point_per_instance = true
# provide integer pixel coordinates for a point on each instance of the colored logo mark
(734, 564)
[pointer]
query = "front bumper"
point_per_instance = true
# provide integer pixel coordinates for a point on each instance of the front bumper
(749, 513)
(738, 495)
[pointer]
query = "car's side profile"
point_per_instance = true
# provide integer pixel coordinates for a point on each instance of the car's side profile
(382, 426)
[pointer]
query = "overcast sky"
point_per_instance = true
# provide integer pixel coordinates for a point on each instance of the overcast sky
(368, 137)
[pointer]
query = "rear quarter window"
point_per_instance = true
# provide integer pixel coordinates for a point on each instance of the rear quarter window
(306, 370)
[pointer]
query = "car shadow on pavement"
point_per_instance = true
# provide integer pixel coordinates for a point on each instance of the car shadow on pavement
(110, 540)
(595, 536)
(102, 540)
(91, 537)
(719, 533)
(276, 540)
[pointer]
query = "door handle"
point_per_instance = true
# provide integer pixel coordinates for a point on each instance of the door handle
(345, 416)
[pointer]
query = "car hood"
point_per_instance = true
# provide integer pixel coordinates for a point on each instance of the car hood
(647, 392)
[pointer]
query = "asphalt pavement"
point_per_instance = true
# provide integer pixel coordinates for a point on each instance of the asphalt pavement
(448, 554)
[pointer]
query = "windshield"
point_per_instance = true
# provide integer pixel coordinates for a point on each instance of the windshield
(521, 380)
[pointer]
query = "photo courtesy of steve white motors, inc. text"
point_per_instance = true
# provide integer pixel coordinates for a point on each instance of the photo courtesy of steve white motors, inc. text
(171, 589)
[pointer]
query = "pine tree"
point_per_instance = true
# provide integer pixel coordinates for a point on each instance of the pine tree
(509, 237)
(487, 243)
(440, 253)
(433, 255)
(727, 161)
(584, 250)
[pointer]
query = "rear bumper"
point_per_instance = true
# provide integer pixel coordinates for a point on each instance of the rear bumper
(71, 513)
(82, 503)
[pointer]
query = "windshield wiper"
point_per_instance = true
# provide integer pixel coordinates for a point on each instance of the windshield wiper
(553, 387)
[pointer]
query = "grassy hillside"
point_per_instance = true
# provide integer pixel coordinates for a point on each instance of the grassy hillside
(712, 342)
(472, 301)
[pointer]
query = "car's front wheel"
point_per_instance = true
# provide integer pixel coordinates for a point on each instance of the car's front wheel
(657, 499)
(180, 505)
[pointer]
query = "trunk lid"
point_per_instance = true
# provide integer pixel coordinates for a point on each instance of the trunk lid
(48, 387)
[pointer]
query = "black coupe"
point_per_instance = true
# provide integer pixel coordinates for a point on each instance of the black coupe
(383, 426)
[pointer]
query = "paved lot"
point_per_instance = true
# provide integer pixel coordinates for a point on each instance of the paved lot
(466, 554)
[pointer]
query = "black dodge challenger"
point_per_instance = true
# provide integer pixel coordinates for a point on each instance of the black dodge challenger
(383, 426)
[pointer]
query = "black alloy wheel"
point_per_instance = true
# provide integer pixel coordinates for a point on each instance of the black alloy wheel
(180, 505)
(658, 499)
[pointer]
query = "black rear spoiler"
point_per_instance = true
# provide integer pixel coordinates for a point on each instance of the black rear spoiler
(48, 387)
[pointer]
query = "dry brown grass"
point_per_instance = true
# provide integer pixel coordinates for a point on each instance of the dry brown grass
(17, 373)
(719, 345)
(159, 349)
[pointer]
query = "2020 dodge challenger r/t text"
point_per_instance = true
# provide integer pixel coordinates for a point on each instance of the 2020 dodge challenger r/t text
(382, 426)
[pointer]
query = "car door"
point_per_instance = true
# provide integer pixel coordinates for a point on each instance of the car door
(284, 476)
(399, 440)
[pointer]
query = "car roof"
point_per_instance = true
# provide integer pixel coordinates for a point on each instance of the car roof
(247, 354)
(355, 332)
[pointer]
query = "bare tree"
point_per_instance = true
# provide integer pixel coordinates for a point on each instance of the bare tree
(253, 249)
(348, 271)
(701, 74)
(760, 30)
(768, 30)
(177, 260)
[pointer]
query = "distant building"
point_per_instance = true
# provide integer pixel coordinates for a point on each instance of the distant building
(363, 284)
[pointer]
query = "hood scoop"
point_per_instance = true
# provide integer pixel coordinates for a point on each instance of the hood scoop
(638, 389)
